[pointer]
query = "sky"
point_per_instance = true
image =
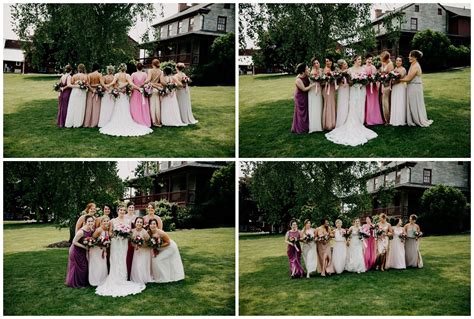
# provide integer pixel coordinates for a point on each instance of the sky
(136, 32)
(125, 168)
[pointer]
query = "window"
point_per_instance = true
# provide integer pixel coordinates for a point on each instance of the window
(221, 23)
(226, 5)
(461, 163)
(18, 63)
(162, 32)
(427, 176)
(414, 24)
(376, 183)
(440, 12)
(398, 175)
(191, 24)
(417, 8)
(180, 27)
(170, 29)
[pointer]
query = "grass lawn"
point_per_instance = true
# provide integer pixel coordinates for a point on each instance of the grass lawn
(34, 278)
(266, 113)
(30, 111)
(442, 287)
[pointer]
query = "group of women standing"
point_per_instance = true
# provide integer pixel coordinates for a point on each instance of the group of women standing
(360, 99)
(129, 262)
(358, 249)
(123, 104)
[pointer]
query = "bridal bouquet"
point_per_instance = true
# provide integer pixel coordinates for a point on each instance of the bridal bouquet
(308, 238)
(122, 231)
(89, 242)
(155, 244)
(402, 237)
(170, 87)
(363, 234)
(115, 93)
(128, 89)
(394, 76)
(57, 86)
(103, 242)
(344, 77)
(371, 80)
(100, 90)
(379, 232)
(186, 80)
(82, 85)
(139, 241)
(147, 90)
(347, 233)
(418, 234)
(359, 78)
(323, 238)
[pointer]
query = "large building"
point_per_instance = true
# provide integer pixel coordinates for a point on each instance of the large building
(455, 22)
(188, 35)
(13, 57)
(411, 179)
(181, 182)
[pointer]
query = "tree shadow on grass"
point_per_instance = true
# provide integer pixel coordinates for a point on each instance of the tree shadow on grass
(34, 279)
(41, 77)
(20, 225)
(428, 291)
(272, 76)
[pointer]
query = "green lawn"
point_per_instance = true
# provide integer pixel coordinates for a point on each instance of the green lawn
(442, 287)
(266, 113)
(34, 278)
(30, 110)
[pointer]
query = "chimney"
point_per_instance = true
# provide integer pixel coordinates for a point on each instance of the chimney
(378, 13)
(182, 7)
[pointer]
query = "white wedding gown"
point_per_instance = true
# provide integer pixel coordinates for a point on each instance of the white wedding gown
(121, 122)
(309, 254)
(355, 253)
(353, 132)
(116, 284)
(339, 252)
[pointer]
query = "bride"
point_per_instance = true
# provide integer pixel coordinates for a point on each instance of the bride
(353, 132)
(116, 284)
(121, 122)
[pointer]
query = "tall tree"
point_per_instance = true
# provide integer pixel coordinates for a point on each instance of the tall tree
(61, 190)
(144, 173)
(78, 33)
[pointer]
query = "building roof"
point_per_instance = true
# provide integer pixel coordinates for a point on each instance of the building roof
(13, 55)
(381, 17)
(192, 11)
(197, 32)
(463, 12)
(245, 60)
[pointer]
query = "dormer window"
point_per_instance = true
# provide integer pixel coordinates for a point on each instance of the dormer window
(162, 32)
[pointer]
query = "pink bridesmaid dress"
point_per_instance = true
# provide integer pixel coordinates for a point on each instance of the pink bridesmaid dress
(139, 105)
(370, 252)
(373, 115)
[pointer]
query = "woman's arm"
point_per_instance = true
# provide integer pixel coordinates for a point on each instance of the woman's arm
(76, 238)
(148, 77)
(97, 232)
(159, 222)
(301, 86)
(79, 223)
(287, 241)
(165, 239)
(411, 74)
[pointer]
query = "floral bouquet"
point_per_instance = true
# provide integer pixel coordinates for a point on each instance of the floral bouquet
(379, 232)
(122, 231)
(100, 90)
(359, 78)
(170, 87)
(308, 238)
(344, 77)
(323, 238)
(186, 80)
(82, 85)
(89, 242)
(347, 233)
(382, 78)
(139, 241)
(418, 234)
(363, 234)
(394, 75)
(147, 90)
(371, 80)
(128, 89)
(402, 237)
(103, 242)
(57, 86)
(115, 93)
(162, 91)
(155, 244)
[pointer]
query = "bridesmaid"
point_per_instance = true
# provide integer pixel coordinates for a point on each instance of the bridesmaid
(170, 115)
(77, 99)
(308, 248)
(396, 253)
(167, 265)
(416, 110)
(90, 210)
(382, 242)
(139, 106)
(342, 95)
(98, 257)
(131, 217)
(412, 244)
(339, 252)
(386, 68)
(293, 250)
(300, 116)
(355, 252)
(151, 208)
(329, 96)
(183, 94)
(370, 253)
(141, 270)
(64, 95)
(92, 115)
(315, 101)
(98, 220)
(372, 106)
(324, 248)
(154, 76)
(77, 267)
(398, 112)
(108, 101)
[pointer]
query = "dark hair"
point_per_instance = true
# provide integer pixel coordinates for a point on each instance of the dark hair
(149, 223)
(130, 204)
(139, 66)
(139, 217)
(87, 218)
(300, 68)
(417, 54)
(68, 68)
(369, 217)
(368, 55)
(323, 220)
(356, 57)
(180, 66)
(330, 59)
(383, 215)
(167, 70)
(400, 57)
(293, 221)
(95, 67)
(314, 59)
(413, 216)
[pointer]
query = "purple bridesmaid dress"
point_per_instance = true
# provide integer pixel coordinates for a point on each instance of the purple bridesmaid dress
(77, 266)
(370, 252)
(294, 257)
(63, 103)
(301, 117)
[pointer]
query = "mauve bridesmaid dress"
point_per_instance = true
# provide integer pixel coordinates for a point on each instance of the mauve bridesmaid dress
(301, 117)
(372, 106)
(294, 257)
(78, 266)
(63, 103)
